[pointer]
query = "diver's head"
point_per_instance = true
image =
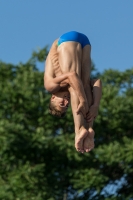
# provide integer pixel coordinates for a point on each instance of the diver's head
(59, 103)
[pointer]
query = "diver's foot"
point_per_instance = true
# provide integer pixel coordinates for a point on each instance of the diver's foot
(88, 142)
(79, 138)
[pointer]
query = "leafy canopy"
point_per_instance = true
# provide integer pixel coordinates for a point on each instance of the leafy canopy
(37, 156)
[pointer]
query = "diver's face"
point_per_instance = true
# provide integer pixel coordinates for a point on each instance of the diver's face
(61, 100)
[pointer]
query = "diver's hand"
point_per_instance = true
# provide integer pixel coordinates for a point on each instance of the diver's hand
(92, 114)
(83, 108)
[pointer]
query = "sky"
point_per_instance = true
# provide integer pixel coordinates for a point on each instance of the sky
(27, 25)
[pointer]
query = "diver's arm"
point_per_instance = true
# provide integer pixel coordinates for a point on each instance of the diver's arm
(97, 91)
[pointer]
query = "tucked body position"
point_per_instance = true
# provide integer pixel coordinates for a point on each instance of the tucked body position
(67, 78)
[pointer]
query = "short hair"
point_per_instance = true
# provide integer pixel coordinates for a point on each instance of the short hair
(55, 112)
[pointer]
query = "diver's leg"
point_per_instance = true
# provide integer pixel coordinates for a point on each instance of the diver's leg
(85, 77)
(85, 72)
(70, 54)
(79, 122)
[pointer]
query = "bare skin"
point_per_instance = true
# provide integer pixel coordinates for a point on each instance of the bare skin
(55, 80)
(80, 63)
(71, 57)
(84, 137)
(88, 142)
(93, 112)
(80, 130)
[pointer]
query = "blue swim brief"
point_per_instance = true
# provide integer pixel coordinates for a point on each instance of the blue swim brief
(75, 37)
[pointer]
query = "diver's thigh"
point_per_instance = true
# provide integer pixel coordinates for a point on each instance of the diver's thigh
(70, 54)
(86, 64)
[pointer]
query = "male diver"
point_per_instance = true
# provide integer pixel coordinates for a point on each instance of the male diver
(67, 77)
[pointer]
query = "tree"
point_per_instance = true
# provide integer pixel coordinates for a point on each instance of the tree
(37, 156)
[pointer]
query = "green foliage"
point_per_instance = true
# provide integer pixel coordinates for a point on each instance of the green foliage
(40, 55)
(38, 160)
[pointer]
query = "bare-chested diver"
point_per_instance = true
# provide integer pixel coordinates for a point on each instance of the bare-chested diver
(68, 63)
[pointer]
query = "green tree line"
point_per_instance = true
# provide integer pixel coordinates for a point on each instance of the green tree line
(38, 160)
